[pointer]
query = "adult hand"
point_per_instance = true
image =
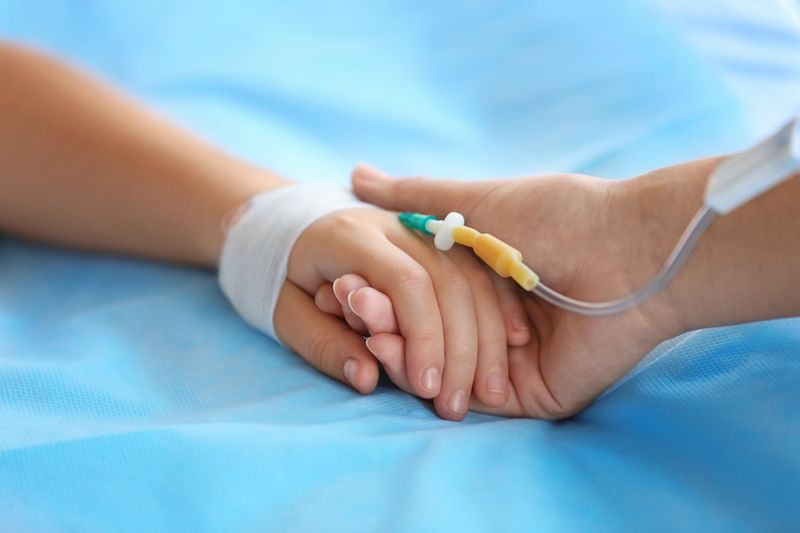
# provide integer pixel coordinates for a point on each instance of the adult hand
(589, 238)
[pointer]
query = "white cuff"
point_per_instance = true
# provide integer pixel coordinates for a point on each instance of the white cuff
(255, 255)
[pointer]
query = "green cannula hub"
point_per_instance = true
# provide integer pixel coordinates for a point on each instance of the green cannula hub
(416, 221)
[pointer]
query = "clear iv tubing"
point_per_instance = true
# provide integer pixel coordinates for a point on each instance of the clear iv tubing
(698, 225)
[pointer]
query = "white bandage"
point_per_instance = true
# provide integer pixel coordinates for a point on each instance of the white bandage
(255, 256)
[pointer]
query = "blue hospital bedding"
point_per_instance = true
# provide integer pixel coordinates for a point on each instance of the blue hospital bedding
(132, 398)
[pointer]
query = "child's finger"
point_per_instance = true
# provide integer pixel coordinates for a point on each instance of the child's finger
(375, 309)
(457, 310)
(389, 349)
(491, 375)
(405, 281)
(517, 324)
(326, 301)
(342, 287)
(323, 340)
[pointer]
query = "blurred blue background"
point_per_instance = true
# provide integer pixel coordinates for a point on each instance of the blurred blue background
(132, 398)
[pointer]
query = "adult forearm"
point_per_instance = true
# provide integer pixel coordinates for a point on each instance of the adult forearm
(747, 265)
(82, 165)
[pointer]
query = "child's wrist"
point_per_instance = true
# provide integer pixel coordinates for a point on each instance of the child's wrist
(255, 255)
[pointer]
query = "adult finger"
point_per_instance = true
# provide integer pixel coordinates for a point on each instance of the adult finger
(324, 340)
(511, 407)
(517, 323)
(436, 197)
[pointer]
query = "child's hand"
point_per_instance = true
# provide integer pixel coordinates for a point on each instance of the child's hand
(446, 305)
(369, 312)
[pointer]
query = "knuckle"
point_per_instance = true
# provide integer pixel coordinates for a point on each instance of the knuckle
(461, 357)
(493, 343)
(412, 184)
(345, 221)
(431, 341)
(322, 352)
(492, 354)
(456, 285)
(426, 347)
(411, 278)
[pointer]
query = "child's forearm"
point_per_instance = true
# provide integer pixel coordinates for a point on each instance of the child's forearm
(82, 165)
(745, 267)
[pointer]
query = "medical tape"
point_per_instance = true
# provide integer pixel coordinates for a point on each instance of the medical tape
(255, 255)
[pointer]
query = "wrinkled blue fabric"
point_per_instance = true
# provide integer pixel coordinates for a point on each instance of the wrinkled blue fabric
(132, 398)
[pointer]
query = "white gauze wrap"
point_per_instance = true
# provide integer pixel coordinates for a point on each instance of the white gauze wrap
(255, 255)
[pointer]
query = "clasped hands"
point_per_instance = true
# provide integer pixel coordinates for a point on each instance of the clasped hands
(444, 327)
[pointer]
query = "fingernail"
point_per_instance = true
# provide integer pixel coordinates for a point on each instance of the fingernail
(368, 342)
(350, 303)
(335, 292)
(390, 364)
(350, 371)
(430, 379)
(369, 173)
(458, 402)
(495, 382)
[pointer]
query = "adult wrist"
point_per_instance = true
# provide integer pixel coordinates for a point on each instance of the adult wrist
(744, 268)
(666, 201)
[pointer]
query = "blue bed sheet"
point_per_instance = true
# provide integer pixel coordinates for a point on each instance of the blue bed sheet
(132, 398)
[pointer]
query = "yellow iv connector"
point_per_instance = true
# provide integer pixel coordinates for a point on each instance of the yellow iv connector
(501, 257)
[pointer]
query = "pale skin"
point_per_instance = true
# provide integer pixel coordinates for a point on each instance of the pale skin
(84, 166)
(597, 240)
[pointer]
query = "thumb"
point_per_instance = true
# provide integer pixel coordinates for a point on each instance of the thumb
(433, 197)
